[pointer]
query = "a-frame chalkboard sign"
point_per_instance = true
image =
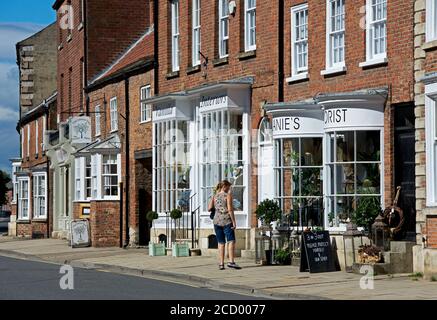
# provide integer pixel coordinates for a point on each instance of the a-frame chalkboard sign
(316, 253)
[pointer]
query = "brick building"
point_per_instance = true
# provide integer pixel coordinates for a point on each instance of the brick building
(36, 59)
(89, 40)
(425, 253)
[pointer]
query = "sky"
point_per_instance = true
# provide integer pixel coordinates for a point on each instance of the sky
(19, 19)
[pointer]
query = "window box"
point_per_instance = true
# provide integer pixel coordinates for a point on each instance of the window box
(298, 77)
(333, 71)
(247, 55)
(220, 62)
(195, 69)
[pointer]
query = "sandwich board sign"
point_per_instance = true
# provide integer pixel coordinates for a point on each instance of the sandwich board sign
(80, 233)
(316, 253)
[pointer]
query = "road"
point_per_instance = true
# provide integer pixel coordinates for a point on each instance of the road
(28, 280)
(4, 225)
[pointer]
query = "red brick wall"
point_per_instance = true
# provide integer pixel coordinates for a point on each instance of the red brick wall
(431, 231)
(105, 223)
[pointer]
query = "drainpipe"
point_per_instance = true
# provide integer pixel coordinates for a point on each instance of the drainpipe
(127, 151)
(85, 56)
(48, 177)
(281, 50)
(155, 45)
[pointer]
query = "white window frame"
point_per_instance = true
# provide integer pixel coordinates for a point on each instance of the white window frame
(23, 199)
(112, 158)
(371, 25)
(28, 140)
(22, 142)
(113, 107)
(146, 109)
(97, 120)
(248, 27)
(196, 23)
(44, 125)
(78, 181)
(431, 20)
(37, 196)
(95, 173)
(15, 169)
(175, 47)
(331, 66)
(223, 25)
(431, 144)
(36, 137)
(295, 70)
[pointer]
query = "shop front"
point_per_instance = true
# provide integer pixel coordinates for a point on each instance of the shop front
(201, 137)
(328, 157)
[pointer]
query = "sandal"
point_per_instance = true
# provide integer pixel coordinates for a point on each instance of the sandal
(233, 265)
(221, 267)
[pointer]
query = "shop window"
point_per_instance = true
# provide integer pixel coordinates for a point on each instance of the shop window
(335, 46)
(39, 196)
(196, 33)
(376, 40)
(431, 20)
(299, 38)
(175, 51)
(223, 155)
(146, 109)
(353, 173)
(223, 28)
(110, 176)
(88, 179)
(299, 177)
(250, 24)
(23, 199)
(172, 165)
(78, 178)
(114, 114)
(94, 177)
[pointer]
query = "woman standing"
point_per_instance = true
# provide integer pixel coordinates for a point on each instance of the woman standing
(224, 223)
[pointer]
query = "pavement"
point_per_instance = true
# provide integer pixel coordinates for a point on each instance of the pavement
(278, 282)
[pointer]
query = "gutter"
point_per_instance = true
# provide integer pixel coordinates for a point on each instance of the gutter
(281, 51)
(127, 165)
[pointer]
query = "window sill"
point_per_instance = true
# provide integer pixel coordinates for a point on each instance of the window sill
(220, 61)
(373, 63)
(298, 77)
(247, 55)
(69, 38)
(22, 221)
(193, 69)
(39, 220)
(60, 47)
(430, 45)
(97, 135)
(333, 71)
(146, 121)
(172, 75)
(113, 131)
(82, 201)
(80, 27)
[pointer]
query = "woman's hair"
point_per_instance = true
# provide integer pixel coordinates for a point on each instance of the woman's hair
(221, 185)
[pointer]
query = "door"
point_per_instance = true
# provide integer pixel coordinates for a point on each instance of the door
(145, 200)
(405, 166)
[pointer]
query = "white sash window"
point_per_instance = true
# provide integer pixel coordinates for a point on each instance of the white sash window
(250, 24)
(175, 34)
(335, 43)
(223, 28)
(40, 196)
(196, 33)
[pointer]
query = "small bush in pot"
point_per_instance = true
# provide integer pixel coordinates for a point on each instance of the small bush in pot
(283, 257)
(268, 211)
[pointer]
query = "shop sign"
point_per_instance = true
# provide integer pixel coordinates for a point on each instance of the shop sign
(214, 101)
(164, 111)
(81, 130)
(80, 233)
(289, 126)
(337, 118)
(316, 252)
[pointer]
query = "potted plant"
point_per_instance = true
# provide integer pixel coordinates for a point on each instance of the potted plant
(283, 257)
(368, 209)
(268, 211)
(155, 249)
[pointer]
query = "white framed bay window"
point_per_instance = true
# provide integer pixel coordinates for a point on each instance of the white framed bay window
(223, 155)
(299, 39)
(23, 198)
(223, 28)
(354, 173)
(376, 32)
(250, 24)
(40, 196)
(172, 167)
(196, 47)
(175, 50)
(110, 176)
(335, 36)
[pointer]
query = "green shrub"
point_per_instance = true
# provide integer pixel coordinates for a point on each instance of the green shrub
(152, 215)
(268, 211)
(176, 214)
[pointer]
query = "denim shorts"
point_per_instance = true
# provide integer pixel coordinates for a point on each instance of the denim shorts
(224, 234)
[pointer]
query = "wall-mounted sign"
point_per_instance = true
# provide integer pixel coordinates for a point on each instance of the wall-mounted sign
(353, 117)
(297, 125)
(80, 130)
(218, 101)
(80, 233)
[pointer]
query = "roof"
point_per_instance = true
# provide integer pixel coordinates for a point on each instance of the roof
(57, 4)
(139, 51)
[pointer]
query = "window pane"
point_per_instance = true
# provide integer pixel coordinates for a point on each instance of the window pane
(345, 146)
(345, 179)
(369, 178)
(312, 152)
(368, 146)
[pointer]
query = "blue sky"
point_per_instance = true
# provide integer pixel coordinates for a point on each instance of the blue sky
(18, 20)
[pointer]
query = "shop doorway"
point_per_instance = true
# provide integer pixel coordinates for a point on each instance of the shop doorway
(144, 176)
(405, 170)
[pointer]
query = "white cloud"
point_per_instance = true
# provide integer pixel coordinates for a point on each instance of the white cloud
(7, 114)
(11, 33)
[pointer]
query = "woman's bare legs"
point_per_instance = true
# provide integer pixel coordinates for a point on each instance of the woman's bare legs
(221, 248)
(231, 251)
